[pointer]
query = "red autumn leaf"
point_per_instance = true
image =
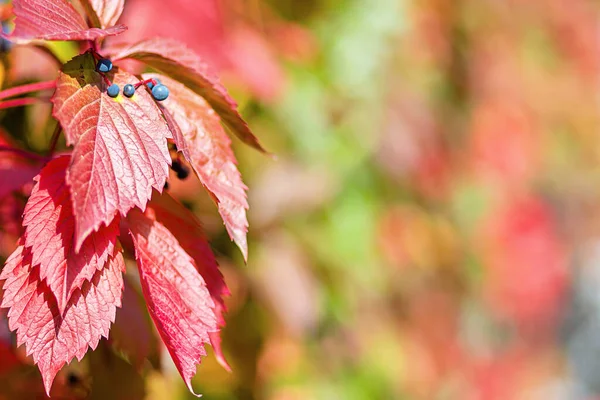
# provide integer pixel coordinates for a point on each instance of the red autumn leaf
(120, 149)
(178, 300)
(199, 135)
(180, 63)
(53, 20)
(103, 13)
(187, 229)
(49, 235)
(50, 338)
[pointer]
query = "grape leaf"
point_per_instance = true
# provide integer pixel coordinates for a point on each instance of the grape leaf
(198, 134)
(53, 20)
(180, 63)
(49, 233)
(51, 338)
(103, 13)
(120, 149)
(177, 297)
(187, 229)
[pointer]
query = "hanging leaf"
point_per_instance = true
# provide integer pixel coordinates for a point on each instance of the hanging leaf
(120, 149)
(174, 59)
(50, 338)
(178, 300)
(198, 134)
(53, 20)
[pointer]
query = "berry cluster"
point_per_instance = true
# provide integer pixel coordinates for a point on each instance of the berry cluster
(159, 91)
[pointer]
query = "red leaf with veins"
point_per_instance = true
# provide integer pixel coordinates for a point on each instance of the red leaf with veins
(54, 340)
(53, 20)
(187, 229)
(103, 13)
(49, 235)
(120, 149)
(199, 135)
(180, 63)
(177, 297)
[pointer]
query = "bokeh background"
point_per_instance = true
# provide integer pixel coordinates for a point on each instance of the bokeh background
(430, 227)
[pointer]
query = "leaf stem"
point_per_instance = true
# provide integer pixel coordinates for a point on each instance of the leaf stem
(20, 102)
(22, 153)
(54, 140)
(106, 80)
(145, 82)
(33, 87)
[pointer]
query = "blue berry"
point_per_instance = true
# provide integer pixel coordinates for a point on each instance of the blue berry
(128, 90)
(113, 90)
(151, 85)
(160, 92)
(181, 170)
(104, 65)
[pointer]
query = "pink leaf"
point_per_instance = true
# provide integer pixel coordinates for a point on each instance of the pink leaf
(199, 135)
(53, 20)
(178, 300)
(120, 149)
(49, 235)
(187, 229)
(54, 340)
(103, 13)
(180, 63)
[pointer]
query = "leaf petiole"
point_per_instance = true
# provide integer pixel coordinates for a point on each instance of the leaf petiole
(145, 82)
(54, 140)
(32, 87)
(21, 102)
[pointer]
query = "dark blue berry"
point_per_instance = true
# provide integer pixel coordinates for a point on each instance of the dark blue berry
(113, 90)
(151, 85)
(104, 65)
(128, 90)
(160, 92)
(182, 171)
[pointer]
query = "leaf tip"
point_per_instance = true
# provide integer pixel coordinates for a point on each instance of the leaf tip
(188, 383)
(215, 342)
(48, 378)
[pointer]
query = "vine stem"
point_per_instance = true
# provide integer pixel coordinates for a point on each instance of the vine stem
(54, 140)
(20, 102)
(32, 87)
(145, 82)
(22, 153)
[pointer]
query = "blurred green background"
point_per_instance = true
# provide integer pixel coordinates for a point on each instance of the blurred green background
(430, 227)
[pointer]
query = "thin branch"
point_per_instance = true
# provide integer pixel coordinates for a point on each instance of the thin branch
(33, 87)
(21, 102)
(54, 140)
